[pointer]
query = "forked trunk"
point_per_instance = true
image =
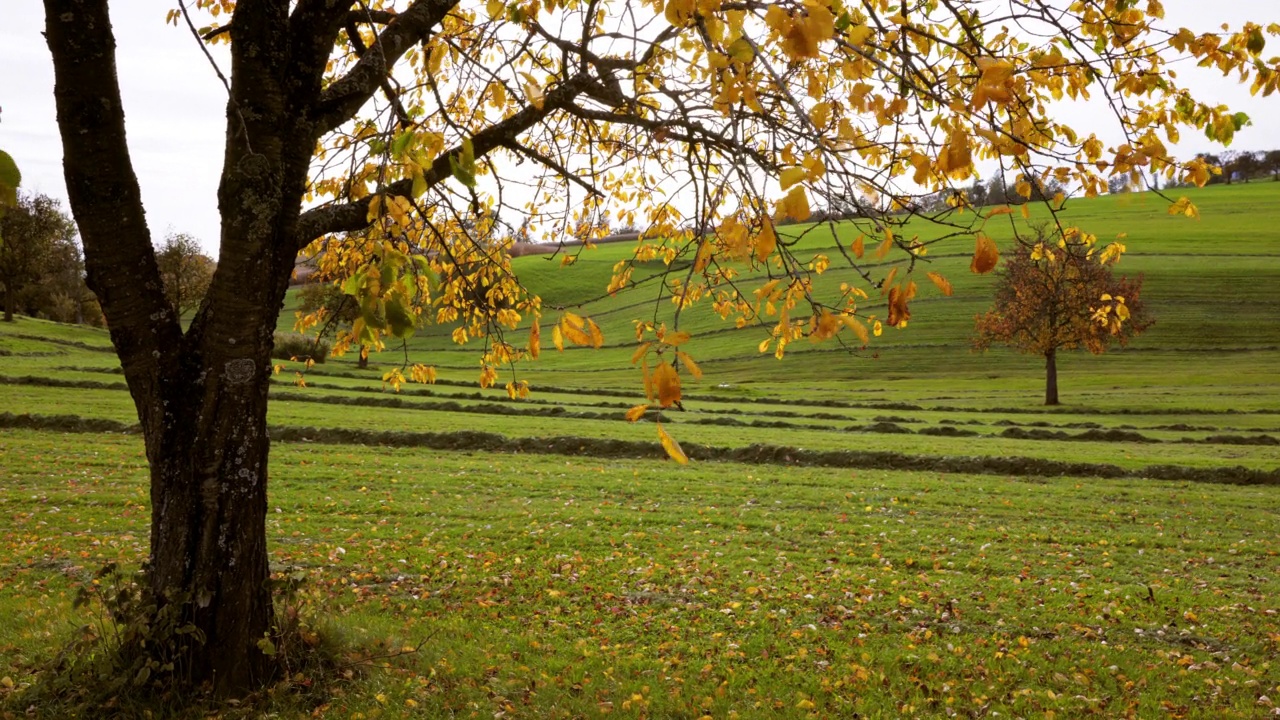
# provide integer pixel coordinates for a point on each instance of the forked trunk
(1051, 377)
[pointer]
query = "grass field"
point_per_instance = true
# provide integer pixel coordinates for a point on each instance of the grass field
(903, 531)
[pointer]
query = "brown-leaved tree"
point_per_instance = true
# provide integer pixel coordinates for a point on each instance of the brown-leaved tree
(429, 125)
(1060, 294)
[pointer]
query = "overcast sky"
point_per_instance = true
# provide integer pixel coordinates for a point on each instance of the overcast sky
(175, 105)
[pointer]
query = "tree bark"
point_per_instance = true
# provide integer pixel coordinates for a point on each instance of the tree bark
(201, 396)
(1051, 377)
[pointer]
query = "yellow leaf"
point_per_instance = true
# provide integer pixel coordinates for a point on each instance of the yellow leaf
(820, 115)
(666, 383)
(688, 362)
(533, 91)
(943, 284)
(557, 338)
(857, 247)
(885, 245)
(573, 328)
(678, 337)
(985, 255)
(640, 352)
(766, 242)
(858, 328)
(574, 320)
(671, 446)
(680, 12)
(597, 337)
(535, 340)
(636, 412)
(791, 176)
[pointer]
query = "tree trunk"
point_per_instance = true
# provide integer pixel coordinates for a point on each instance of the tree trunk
(1051, 377)
(8, 302)
(208, 460)
(201, 396)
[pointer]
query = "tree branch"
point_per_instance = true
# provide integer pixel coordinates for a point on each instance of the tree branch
(341, 100)
(353, 216)
(103, 189)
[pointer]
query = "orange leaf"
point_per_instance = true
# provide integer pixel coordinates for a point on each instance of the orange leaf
(666, 382)
(688, 362)
(535, 339)
(858, 328)
(671, 446)
(766, 242)
(675, 338)
(640, 351)
(597, 337)
(943, 284)
(985, 255)
(636, 412)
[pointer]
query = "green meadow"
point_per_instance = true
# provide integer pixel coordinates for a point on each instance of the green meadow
(900, 530)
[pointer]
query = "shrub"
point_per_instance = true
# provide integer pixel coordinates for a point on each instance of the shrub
(291, 346)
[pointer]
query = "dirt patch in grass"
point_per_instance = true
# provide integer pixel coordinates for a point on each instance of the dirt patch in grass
(60, 383)
(64, 423)
(947, 431)
(1241, 440)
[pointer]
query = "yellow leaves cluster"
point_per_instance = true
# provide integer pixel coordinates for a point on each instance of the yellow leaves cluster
(795, 206)
(583, 332)
(662, 383)
(1112, 313)
(993, 83)
(1184, 206)
(956, 157)
(802, 32)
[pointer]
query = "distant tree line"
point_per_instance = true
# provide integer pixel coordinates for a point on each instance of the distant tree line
(42, 272)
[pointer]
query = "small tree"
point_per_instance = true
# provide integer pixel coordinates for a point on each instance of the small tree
(185, 270)
(323, 303)
(1053, 296)
(31, 231)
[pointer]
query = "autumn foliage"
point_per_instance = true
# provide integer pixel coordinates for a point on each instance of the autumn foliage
(1061, 295)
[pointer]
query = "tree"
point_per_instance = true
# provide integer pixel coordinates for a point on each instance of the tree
(58, 291)
(1271, 164)
(32, 231)
(1053, 296)
(706, 124)
(1244, 165)
(185, 271)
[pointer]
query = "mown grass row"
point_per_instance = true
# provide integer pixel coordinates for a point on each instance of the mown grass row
(544, 586)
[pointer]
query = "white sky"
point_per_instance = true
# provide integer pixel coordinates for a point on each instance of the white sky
(175, 105)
